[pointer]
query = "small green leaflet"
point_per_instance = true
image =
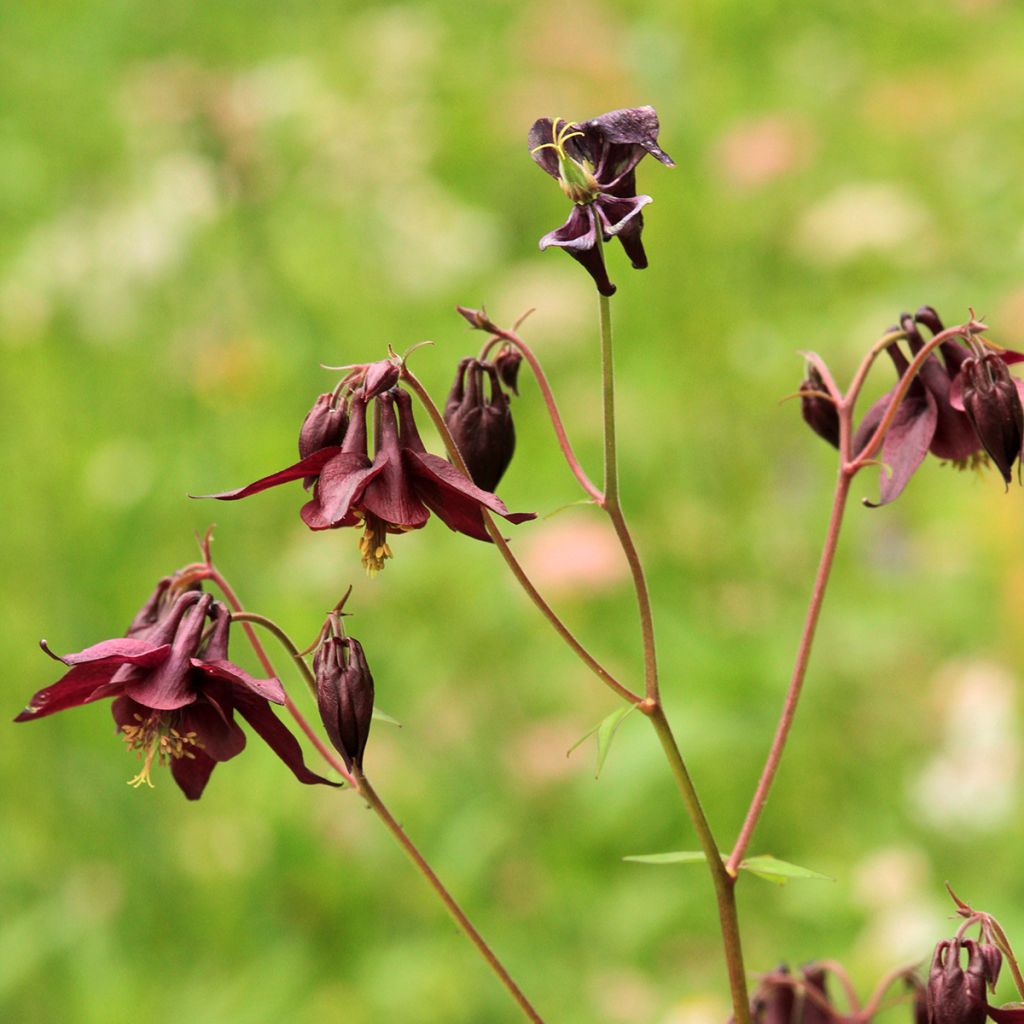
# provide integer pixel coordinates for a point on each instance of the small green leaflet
(383, 716)
(605, 732)
(679, 857)
(769, 868)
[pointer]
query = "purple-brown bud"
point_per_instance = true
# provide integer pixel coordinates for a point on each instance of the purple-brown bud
(774, 1002)
(477, 319)
(480, 426)
(819, 412)
(324, 426)
(344, 695)
(506, 362)
(380, 377)
(993, 405)
(955, 995)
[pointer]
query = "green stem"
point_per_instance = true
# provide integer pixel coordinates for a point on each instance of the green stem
(362, 786)
(724, 882)
(510, 559)
(612, 506)
(370, 796)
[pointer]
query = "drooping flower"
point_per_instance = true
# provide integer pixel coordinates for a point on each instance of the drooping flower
(481, 426)
(931, 417)
(175, 691)
(595, 164)
(818, 409)
(395, 492)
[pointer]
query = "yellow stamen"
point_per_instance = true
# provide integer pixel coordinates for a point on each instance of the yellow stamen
(374, 545)
(559, 137)
(155, 739)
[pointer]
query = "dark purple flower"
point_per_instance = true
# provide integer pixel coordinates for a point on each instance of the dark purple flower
(481, 426)
(931, 418)
(394, 492)
(344, 695)
(175, 692)
(595, 163)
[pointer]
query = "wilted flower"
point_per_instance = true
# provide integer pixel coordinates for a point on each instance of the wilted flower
(175, 692)
(783, 999)
(344, 695)
(393, 493)
(595, 164)
(480, 426)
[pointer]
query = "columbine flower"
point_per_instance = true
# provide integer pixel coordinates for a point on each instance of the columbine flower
(480, 426)
(393, 493)
(931, 417)
(175, 692)
(595, 163)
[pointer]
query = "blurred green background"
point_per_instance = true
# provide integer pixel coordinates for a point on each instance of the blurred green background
(202, 202)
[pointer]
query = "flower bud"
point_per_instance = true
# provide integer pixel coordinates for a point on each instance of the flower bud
(477, 319)
(482, 428)
(344, 695)
(956, 996)
(819, 412)
(993, 405)
(506, 362)
(324, 427)
(774, 1002)
(380, 377)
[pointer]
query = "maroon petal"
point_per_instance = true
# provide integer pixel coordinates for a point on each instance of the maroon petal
(906, 444)
(391, 496)
(170, 685)
(616, 213)
(541, 134)
(269, 689)
(216, 736)
(954, 436)
(633, 126)
(340, 485)
(576, 233)
(192, 773)
(276, 735)
(313, 516)
(82, 685)
(309, 466)
(1006, 1014)
(455, 500)
(123, 650)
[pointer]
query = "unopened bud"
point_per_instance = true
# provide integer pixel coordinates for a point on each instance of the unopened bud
(993, 405)
(481, 427)
(344, 695)
(955, 995)
(820, 412)
(506, 362)
(477, 318)
(380, 377)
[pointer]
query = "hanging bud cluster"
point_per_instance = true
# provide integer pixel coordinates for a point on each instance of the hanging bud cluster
(480, 422)
(963, 406)
(803, 998)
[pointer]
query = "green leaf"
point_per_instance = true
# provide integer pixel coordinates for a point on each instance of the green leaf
(605, 731)
(383, 716)
(778, 871)
(677, 857)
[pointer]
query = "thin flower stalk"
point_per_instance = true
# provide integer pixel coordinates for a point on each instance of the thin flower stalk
(513, 563)
(361, 784)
